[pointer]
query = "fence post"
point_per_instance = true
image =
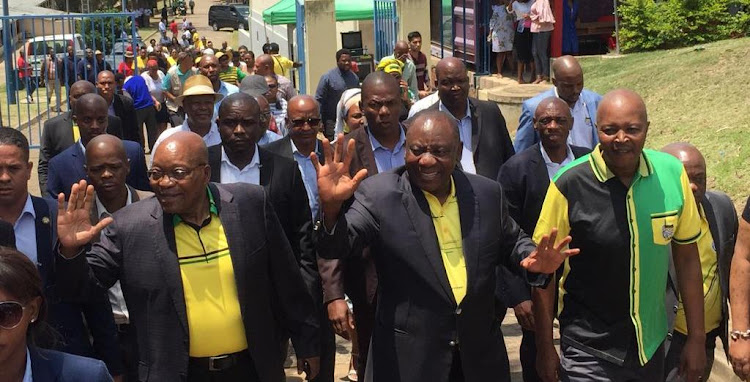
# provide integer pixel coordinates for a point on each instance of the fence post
(8, 45)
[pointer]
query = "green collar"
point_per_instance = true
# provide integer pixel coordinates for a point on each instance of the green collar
(176, 219)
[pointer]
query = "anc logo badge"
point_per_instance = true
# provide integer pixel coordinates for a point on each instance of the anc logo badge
(667, 231)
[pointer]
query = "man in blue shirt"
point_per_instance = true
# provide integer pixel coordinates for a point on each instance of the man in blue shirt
(330, 87)
(209, 67)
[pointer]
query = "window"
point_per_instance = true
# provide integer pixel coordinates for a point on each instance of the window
(441, 26)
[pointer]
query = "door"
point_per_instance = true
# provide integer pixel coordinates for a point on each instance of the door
(465, 29)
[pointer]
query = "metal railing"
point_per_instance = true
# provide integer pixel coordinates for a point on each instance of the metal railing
(386, 27)
(28, 101)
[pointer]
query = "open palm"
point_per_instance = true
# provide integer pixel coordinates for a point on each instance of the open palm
(548, 256)
(74, 229)
(335, 184)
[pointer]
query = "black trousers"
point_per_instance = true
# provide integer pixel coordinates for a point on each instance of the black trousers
(243, 371)
(129, 351)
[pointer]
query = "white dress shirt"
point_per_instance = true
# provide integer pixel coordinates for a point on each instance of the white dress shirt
(582, 131)
(464, 130)
(27, 377)
(25, 231)
(119, 309)
(249, 174)
(552, 167)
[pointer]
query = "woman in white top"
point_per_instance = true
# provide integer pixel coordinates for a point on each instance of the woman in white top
(522, 41)
(154, 78)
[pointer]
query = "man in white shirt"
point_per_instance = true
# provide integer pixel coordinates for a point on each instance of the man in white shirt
(107, 166)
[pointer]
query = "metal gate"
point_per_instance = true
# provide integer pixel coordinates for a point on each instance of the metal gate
(28, 100)
(300, 30)
(386, 27)
(470, 28)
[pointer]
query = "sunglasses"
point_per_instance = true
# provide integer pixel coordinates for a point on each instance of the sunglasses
(11, 313)
(273, 86)
(300, 122)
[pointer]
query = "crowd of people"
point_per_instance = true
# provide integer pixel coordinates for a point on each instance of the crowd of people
(396, 212)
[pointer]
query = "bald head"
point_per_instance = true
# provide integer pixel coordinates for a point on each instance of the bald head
(377, 82)
(187, 144)
(401, 50)
(302, 102)
(241, 100)
(695, 166)
(553, 102)
(78, 89)
(623, 101)
(428, 121)
(91, 101)
(449, 64)
(107, 167)
(568, 79)
(264, 65)
(566, 66)
(106, 145)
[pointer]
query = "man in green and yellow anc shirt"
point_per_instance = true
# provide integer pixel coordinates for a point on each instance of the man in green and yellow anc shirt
(624, 207)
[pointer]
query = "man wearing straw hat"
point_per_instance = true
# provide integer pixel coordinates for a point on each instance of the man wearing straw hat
(198, 100)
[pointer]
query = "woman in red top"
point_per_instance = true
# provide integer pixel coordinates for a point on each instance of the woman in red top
(126, 67)
(24, 75)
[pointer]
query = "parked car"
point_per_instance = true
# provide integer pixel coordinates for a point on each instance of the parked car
(117, 55)
(229, 16)
(36, 48)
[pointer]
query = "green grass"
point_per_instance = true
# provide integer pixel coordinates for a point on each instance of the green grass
(697, 95)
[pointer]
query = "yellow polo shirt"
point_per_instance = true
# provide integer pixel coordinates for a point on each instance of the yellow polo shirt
(447, 222)
(711, 287)
(282, 65)
(213, 308)
(76, 132)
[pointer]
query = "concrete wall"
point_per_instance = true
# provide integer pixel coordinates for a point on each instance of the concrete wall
(320, 32)
(260, 33)
(414, 15)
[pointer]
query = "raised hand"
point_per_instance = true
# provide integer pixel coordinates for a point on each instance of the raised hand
(74, 229)
(548, 257)
(335, 184)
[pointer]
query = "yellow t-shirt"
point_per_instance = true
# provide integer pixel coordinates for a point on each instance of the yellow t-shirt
(447, 222)
(282, 65)
(213, 308)
(141, 64)
(171, 61)
(711, 287)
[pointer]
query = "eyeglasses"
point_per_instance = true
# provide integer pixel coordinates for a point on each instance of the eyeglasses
(11, 313)
(300, 122)
(175, 175)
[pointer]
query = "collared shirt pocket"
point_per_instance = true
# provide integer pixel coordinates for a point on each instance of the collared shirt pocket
(663, 226)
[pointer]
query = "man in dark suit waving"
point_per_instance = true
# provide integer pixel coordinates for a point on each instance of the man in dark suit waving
(437, 235)
(70, 165)
(525, 178)
(206, 271)
(61, 132)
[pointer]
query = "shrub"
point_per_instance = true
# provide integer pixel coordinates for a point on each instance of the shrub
(650, 24)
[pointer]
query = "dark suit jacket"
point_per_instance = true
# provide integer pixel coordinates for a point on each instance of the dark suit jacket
(723, 224)
(7, 235)
(332, 270)
(525, 181)
(57, 135)
(418, 323)
(139, 249)
(124, 110)
(68, 168)
(67, 317)
(50, 365)
(490, 141)
(281, 179)
(135, 195)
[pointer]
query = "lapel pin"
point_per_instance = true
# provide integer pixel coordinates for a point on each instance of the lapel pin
(45, 220)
